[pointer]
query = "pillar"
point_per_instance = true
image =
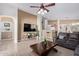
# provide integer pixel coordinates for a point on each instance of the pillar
(39, 26)
(58, 26)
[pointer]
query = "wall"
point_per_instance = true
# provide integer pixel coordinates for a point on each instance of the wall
(7, 9)
(25, 17)
(68, 21)
(51, 22)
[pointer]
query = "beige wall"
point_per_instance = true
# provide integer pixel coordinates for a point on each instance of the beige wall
(3, 19)
(69, 21)
(25, 17)
(51, 22)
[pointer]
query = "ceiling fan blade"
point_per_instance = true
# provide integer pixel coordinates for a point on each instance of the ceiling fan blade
(52, 4)
(34, 6)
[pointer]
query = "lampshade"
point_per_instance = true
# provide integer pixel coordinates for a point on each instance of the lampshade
(45, 11)
(42, 11)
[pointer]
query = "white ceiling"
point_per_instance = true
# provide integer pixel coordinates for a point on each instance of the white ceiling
(59, 11)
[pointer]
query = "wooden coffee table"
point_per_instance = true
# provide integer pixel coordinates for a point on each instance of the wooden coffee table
(41, 50)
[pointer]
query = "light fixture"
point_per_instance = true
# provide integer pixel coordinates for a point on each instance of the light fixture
(42, 11)
(45, 11)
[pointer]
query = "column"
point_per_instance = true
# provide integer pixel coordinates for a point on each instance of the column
(0, 28)
(15, 30)
(39, 26)
(46, 24)
(58, 26)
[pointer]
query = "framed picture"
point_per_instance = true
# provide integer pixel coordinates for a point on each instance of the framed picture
(6, 24)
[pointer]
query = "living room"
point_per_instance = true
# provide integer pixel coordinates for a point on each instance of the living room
(57, 30)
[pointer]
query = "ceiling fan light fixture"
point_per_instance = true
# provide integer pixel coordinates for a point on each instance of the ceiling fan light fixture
(39, 12)
(45, 11)
(42, 11)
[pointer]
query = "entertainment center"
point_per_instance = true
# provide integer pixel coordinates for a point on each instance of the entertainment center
(29, 31)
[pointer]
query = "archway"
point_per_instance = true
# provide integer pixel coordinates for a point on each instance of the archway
(7, 28)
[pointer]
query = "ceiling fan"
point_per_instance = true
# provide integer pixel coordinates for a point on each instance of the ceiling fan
(43, 8)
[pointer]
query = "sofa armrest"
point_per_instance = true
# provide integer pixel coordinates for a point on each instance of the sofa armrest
(76, 52)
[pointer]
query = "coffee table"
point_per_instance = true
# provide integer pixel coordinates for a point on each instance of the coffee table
(43, 50)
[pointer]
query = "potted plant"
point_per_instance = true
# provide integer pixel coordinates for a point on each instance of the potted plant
(45, 43)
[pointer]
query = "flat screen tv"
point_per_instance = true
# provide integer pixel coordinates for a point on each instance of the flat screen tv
(27, 28)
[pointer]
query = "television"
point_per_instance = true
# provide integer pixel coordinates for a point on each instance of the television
(27, 28)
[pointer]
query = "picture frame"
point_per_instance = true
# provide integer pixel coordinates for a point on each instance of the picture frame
(6, 24)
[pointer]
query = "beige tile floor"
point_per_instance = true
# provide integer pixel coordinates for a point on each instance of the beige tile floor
(8, 48)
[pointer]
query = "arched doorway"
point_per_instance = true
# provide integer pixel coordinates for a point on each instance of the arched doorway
(6, 28)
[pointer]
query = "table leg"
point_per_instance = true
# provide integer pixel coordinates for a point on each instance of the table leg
(55, 49)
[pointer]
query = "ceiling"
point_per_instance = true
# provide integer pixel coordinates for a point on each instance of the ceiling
(59, 11)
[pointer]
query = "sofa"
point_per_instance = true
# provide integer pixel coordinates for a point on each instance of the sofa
(68, 40)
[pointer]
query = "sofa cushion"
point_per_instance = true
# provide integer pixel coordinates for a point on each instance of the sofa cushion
(72, 43)
(73, 36)
(61, 37)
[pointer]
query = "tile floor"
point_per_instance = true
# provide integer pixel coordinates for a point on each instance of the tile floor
(8, 48)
